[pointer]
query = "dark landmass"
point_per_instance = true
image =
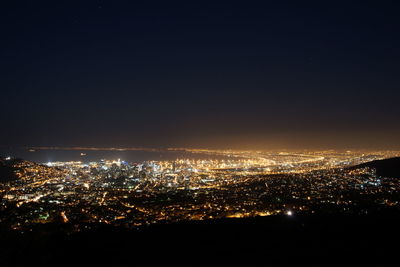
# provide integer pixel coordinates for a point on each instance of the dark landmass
(306, 240)
(7, 169)
(386, 167)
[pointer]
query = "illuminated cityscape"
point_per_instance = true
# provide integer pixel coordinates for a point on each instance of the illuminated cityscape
(254, 133)
(223, 184)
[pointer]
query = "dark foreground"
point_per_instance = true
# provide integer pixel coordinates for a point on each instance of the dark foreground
(306, 240)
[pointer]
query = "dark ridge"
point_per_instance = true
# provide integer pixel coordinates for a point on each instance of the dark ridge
(386, 167)
(7, 169)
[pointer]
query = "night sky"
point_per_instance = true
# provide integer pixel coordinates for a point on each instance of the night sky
(239, 74)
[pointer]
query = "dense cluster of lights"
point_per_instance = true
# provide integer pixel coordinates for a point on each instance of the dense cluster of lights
(228, 184)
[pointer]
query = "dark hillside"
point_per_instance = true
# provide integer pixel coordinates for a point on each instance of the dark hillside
(7, 169)
(386, 167)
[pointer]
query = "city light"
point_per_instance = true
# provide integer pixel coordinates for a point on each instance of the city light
(220, 184)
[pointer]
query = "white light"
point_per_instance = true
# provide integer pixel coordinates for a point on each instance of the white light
(8, 158)
(289, 213)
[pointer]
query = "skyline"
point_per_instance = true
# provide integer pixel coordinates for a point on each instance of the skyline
(220, 184)
(287, 75)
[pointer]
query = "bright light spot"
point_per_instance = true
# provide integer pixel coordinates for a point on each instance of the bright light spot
(8, 158)
(289, 213)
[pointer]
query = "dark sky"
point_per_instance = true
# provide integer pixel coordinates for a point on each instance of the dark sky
(267, 74)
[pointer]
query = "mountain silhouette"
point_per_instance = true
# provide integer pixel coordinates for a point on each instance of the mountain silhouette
(7, 169)
(386, 167)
